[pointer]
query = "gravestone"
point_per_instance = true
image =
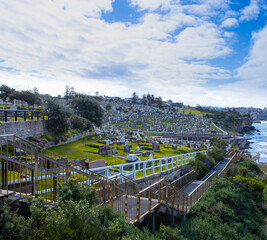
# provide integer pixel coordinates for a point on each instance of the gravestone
(103, 150)
(155, 147)
(114, 151)
(126, 149)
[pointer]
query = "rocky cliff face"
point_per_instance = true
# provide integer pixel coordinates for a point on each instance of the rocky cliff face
(245, 125)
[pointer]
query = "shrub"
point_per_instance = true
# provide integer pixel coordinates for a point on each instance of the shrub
(58, 118)
(265, 194)
(216, 153)
(168, 233)
(253, 183)
(80, 123)
(252, 167)
(201, 165)
(13, 226)
(71, 190)
(38, 109)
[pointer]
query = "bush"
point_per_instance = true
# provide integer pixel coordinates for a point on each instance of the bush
(89, 108)
(80, 123)
(202, 164)
(71, 190)
(168, 233)
(38, 109)
(265, 194)
(251, 166)
(253, 183)
(228, 210)
(216, 153)
(13, 226)
(219, 143)
(58, 118)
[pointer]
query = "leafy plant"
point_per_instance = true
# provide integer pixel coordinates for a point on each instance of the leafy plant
(71, 190)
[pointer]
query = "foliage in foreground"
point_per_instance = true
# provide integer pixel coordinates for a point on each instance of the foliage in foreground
(202, 164)
(230, 209)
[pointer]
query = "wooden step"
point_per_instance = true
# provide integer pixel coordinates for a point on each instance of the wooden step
(5, 193)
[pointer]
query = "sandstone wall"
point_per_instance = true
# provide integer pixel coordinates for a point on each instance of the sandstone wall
(24, 129)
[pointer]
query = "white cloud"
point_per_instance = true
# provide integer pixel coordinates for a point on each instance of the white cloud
(229, 22)
(254, 71)
(151, 4)
(51, 44)
(251, 11)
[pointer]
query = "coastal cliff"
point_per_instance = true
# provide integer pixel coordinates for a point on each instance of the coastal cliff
(233, 121)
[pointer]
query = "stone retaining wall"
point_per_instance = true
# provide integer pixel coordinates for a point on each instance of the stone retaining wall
(24, 129)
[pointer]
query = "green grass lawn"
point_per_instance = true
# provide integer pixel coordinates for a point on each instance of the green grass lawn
(192, 111)
(77, 150)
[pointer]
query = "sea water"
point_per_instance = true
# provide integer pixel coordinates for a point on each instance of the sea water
(258, 141)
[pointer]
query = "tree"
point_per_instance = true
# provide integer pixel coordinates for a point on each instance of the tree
(144, 99)
(58, 118)
(80, 123)
(219, 143)
(35, 91)
(29, 97)
(148, 98)
(134, 97)
(88, 108)
(152, 98)
(159, 102)
(72, 91)
(6, 91)
(67, 92)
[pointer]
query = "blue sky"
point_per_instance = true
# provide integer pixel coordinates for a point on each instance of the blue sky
(208, 52)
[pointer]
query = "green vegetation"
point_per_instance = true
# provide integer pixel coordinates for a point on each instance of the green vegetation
(58, 118)
(72, 191)
(27, 96)
(219, 143)
(231, 120)
(231, 209)
(89, 108)
(78, 150)
(191, 111)
(202, 165)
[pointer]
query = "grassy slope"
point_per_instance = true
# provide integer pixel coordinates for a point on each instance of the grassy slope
(75, 150)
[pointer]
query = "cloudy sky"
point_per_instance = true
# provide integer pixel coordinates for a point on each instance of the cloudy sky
(208, 52)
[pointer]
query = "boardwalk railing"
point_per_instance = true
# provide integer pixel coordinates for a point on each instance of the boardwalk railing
(147, 167)
(28, 169)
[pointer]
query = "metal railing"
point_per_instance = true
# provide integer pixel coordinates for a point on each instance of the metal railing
(28, 169)
(147, 167)
(22, 115)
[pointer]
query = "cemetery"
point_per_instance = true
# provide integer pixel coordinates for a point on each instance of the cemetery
(153, 120)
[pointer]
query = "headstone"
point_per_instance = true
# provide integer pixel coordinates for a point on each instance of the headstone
(126, 149)
(137, 149)
(114, 151)
(155, 147)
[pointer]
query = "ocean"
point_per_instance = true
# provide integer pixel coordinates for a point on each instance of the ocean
(259, 141)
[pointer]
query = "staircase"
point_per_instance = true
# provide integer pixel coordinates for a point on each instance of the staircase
(29, 170)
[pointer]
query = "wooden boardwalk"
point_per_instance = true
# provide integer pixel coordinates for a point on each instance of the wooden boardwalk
(44, 170)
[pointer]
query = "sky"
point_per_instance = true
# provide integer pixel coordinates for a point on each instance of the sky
(207, 52)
